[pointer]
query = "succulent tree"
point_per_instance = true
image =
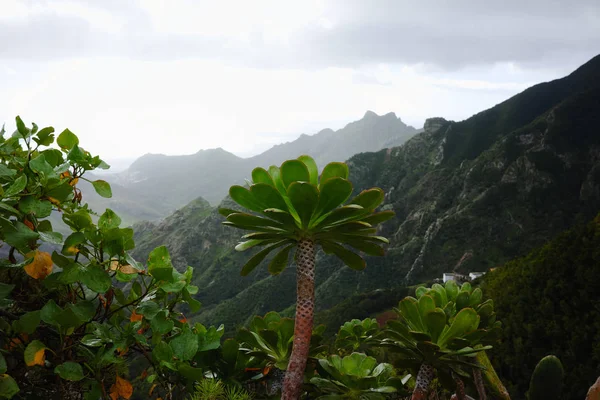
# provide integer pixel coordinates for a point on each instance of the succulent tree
(292, 207)
(357, 335)
(356, 376)
(440, 332)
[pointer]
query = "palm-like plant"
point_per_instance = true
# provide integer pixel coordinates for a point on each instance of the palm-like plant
(356, 376)
(439, 332)
(293, 207)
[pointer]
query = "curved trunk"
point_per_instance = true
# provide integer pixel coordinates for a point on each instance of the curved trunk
(424, 378)
(493, 381)
(479, 384)
(305, 306)
(460, 388)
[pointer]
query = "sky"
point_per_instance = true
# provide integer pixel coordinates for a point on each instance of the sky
(131, 77)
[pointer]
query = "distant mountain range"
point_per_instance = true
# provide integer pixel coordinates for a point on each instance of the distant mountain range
(468, 196)
(155, 185)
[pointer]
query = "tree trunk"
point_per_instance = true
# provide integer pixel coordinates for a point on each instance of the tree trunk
(424, 378)
(305, 306)
(460, 387)
(479, 384)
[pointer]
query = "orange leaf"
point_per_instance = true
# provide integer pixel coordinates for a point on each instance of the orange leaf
(121, 388)
(29, 224)
(151, 389)
(144, 374)
(135, 317)
(74, 181)
(41, 266)
(121, 351)
(141, 330)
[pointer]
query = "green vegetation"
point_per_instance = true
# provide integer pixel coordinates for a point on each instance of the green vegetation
(548, 302)
(547, 380)
(295, 208)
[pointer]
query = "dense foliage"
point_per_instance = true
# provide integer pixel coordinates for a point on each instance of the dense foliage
(548, 302)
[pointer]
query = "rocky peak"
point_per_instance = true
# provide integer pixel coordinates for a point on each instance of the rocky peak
(433, 124)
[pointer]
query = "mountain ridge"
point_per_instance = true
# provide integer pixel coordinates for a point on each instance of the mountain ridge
(456, 210)
(159, 184)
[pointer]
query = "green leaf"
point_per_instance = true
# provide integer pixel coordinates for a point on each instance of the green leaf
(366, 247)
(21, 128)
(410, 311)
(451, 290)
(18, 235)
(280, 261)
(17, 187)
(377, 218)
(84, 310)
(5, 171)
(102, 188)
(304, 198)
(294, 171)
(258, 257)
(109, 220)
(148, 309)
(28, 322)
(369, 199)
(268, 196)
(260, 175)
(45, 136)
(185, 345)
(41, 166)
(70, 371)
(275, 173)
(193, 303)
(249, 221)
(191, 373)
(159, 264)
(162, 352)
(8, 386)
(39, 208)
(464, 322)
(435, 320)
(51, 237)
(67, 140)
(96, 279)
(50, 313)
(32, 353)
(210, 339)
(79, 220)
(333, 170)
(313, 170)
(348, 257)
(333, 193)
(245, 198)
(5, 290)
(9, 208)
(161, 324)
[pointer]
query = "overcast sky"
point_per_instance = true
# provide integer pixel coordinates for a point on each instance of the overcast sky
(176, 76)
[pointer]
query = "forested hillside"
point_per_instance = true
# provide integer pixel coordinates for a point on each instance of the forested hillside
(549, 302)
(468, 196)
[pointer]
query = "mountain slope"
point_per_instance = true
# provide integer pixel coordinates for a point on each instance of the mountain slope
(516, 178)
(155, 185)
(538, 298)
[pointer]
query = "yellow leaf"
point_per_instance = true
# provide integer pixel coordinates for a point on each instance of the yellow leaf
(74, 181)
(128, 269)
(35, 353)
(151, 389)
(125, 269)
(122, 388)
(41, 266)
(135, 317)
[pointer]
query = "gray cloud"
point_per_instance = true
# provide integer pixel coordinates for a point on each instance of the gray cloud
(448, 35)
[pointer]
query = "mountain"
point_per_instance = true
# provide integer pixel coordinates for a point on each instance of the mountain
(548, 304)
(468, 196)
(155, 185)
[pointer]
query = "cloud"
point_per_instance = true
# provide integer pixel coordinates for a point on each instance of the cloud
(309, 34)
